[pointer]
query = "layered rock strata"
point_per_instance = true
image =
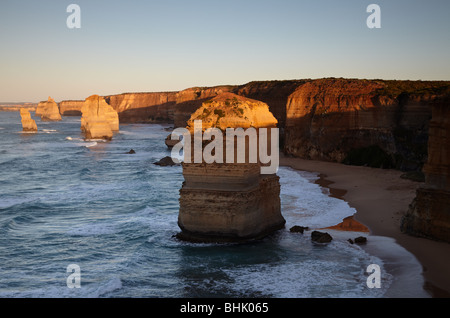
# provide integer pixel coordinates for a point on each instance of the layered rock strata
(28, 124)
(429, 213)
(49, 110)
(71, 107)
(99, 120)
(348, 120)
(143, 107)
(229, 202)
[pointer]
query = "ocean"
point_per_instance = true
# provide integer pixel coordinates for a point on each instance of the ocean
(64, 201)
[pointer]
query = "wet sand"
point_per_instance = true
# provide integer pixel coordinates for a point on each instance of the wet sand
(381, 197)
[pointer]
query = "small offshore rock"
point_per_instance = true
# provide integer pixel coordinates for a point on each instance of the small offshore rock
(321, 237)
(131, 152)
(298, 229)
(170, 143)
(361, 240)
(166, 161)
(351, 241)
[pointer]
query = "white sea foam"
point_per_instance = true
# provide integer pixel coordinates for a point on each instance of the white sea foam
(305, 204)
(91, 144)
(336, 278)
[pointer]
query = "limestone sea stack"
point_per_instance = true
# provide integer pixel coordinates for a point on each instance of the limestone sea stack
(28, 124)
(429, 213)
(99, 120)
(49, 110)
(229, 202)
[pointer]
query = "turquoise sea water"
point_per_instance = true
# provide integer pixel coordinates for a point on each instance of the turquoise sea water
(64, 200)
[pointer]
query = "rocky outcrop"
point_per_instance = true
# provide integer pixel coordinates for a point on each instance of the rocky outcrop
(346, 120)
(166, 161)
(99, 120)
(28, 124)
(229, 202)
(49, 110)
(230, 110)
(71, 107)
(191, 99)
(170, 143)
(429, 213)
(321, 237)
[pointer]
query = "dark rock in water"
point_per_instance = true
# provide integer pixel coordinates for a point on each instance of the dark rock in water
(170, 143)
(320, 237)
(131, 152)
(298, 229)
(351, 241)
(166, 161)
(361, 240)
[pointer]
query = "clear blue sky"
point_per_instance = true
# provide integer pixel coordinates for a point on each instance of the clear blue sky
(166, 45)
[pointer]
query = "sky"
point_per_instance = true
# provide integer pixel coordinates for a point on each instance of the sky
(170, 45)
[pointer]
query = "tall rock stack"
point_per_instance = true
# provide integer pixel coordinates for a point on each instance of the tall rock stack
(429, 214)
(28, 124)
(49, 110)
(229, 202)
(99, 120)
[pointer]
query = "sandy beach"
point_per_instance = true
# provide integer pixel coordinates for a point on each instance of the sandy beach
(381, 197)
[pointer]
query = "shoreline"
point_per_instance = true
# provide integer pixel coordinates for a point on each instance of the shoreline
(380, 198)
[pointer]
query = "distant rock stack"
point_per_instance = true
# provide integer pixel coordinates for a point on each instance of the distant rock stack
(49, 110)
(28, 124)
(229, 202)
(99, 120)
(429, 214)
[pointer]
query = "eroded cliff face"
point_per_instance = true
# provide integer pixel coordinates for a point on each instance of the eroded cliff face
(49, 110)
(223, 202)
(274, 93)
(343, 120)
(144, 107)
(71, 107)
(28, 124)
(429, 213)
(99, 119)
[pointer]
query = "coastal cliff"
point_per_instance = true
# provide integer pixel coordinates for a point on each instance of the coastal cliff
(223, 202)
(429, 213)
(48, 110)
(99, 119)
(143, 107)
(376, 123)
(274, 93)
